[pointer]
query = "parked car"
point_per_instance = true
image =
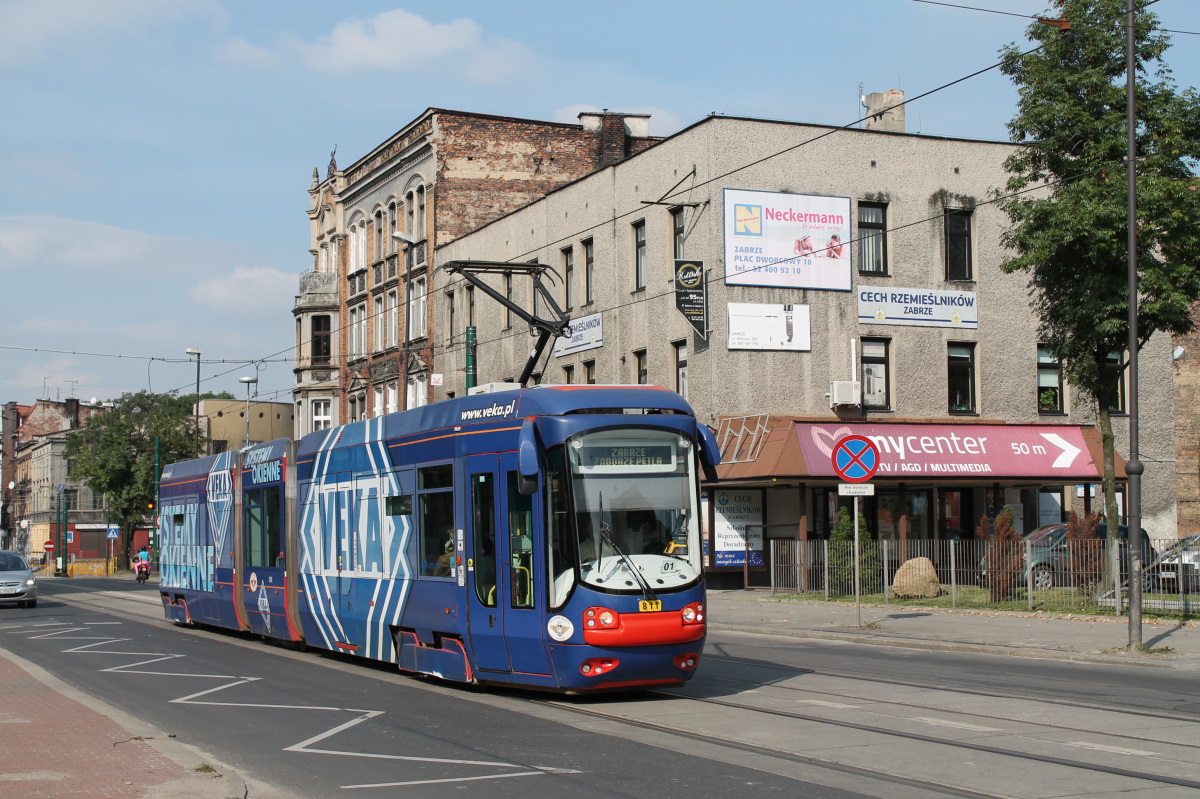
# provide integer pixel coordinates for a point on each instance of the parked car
(17, 581)
(1049, 556)
(1177, 568)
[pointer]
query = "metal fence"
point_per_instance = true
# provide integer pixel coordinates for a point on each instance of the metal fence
(1069, 575)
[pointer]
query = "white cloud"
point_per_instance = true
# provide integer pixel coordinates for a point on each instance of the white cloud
(247, 291)
(239, 51)
(395, 41)
(28, 242)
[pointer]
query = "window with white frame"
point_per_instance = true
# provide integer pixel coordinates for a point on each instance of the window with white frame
(321, 418)
(960, 377)
(393, 317)
(641, 365)
(379, 227)
(393, 220)
(678, 232)
(875, 367)
(378, 321)
(358, 330)
(416, 308)
(872, 238)
(392, 397)
(451, 324)
(377, 405)
(681, 360)
(417, 394)
(589, 263)
(1049, 381)
(639, 255)
(568, 264)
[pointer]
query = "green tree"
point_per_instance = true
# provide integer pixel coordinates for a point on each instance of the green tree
(1071, 236)
(114, 453)
(841, 556)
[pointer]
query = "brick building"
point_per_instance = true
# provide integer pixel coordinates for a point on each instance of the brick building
(33, 467)
(363, 320)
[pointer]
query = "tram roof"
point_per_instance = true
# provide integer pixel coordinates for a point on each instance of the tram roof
(500, 405)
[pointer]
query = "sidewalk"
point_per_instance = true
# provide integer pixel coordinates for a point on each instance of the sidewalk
(1060, 636)
(59, 742)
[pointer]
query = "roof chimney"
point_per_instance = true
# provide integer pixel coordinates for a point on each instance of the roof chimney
(885, 111)
(616, 130)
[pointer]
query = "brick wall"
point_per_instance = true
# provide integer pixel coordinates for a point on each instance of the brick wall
(1187, 431)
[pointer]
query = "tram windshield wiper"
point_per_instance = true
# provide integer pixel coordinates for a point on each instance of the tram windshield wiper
(606, 537)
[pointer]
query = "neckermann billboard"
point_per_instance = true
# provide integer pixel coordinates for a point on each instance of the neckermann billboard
(961, 451)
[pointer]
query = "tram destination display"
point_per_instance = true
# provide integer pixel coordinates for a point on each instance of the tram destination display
(627, 457)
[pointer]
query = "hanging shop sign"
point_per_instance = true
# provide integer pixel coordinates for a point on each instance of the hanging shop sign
(690, 296)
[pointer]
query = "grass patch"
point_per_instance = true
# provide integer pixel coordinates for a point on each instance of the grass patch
(204, 768)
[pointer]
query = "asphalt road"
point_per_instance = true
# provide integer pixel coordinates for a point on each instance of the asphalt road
(765, 714)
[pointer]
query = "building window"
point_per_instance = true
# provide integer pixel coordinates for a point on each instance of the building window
(393, 221)
(379, 322)
(568, 375)
(875, 368)
(420, 212)
(681, 359)
(417, 393)
(379, 243)
(678, 232)
(392, 397)
(589, 261)
(470, 306)
(958, 244)
(872, 238)
(377, 406)
(450, 325)
(568, 262)
(589, 372)
(353, 248)
(416, 308)
(321, 340)
(960, 377)
(508, 283)
(1115, 364)
(358, 406)
(323, 263)
(640, 365)
(358, 330)
(1049, 381)
(393, 317)
(639, 255)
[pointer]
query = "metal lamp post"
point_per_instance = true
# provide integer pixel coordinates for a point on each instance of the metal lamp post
(248, 381)
(196, 434)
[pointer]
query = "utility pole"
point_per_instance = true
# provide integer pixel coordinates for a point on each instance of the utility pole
(1133, 466)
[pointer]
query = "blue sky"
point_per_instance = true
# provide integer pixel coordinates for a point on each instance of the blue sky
(155, 155)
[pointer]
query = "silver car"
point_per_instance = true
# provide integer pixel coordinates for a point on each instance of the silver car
(17, 581)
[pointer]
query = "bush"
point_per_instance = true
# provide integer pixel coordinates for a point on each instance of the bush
(841, 555)
(1003, 554)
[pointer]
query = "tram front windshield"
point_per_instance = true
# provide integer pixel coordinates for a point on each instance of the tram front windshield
(632, 505)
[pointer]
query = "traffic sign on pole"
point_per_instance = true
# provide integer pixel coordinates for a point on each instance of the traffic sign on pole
(855, 459)
(48, 546)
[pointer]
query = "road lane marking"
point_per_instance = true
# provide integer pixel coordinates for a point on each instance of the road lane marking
(1116, 750)
(958, 725)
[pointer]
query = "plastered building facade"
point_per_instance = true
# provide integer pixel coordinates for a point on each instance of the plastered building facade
(897, 323)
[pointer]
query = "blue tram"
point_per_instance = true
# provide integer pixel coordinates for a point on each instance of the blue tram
(546, 537)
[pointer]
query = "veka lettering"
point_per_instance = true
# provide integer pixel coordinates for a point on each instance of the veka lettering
(490, 412)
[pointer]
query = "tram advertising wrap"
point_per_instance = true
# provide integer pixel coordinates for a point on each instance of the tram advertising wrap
(546, 538)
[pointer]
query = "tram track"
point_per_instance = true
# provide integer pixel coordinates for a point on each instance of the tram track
(941, 788)
(965, 691)
(1023, 697)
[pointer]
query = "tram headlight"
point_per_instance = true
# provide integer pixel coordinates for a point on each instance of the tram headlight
(692, 614)
(689, 615)
(607, 618)
(601, 617)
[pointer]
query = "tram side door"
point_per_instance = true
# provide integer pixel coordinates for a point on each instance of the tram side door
(486, 589)
(504, 568)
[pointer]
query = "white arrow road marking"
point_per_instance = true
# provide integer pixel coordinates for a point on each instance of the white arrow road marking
(304, 747)
(1069, 451)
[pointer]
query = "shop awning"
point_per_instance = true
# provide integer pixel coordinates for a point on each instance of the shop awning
(762, 448)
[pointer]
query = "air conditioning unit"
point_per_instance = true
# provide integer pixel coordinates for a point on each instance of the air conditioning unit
(844, 392)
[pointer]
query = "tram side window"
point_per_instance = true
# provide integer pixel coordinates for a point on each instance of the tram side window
(483, 526)
(436, 518)
(520, 532)
(262, 527)
(561, 549)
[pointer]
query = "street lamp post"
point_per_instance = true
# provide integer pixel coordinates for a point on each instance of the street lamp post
(248, 381)
(196, 433)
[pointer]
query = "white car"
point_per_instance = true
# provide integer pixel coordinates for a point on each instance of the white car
(17, 581)
(1177, 567)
